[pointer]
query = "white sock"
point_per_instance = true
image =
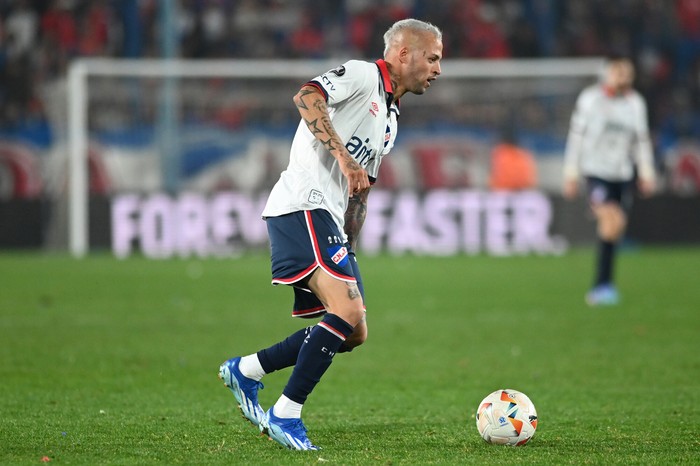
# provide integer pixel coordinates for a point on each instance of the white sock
(287, 408)
(251, 368)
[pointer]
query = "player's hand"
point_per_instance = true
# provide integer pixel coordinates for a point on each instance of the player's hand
(647, 187)
(570, 189)
(357, 177)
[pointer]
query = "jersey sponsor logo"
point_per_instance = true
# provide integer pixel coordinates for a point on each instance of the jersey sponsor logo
(612, 126)
(315, 196)
(328, 82)
(374, 109)
(359, 150)
(339, 255)
(336, 71)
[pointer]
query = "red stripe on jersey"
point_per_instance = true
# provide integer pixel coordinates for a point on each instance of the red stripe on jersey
(386, 77)
(332, 330)
(317, 252)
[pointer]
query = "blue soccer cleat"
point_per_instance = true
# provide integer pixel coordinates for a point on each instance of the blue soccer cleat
(603, 295)
(244, 389)
(289, 432)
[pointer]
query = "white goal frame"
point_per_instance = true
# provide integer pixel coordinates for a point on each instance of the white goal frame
(81, 69)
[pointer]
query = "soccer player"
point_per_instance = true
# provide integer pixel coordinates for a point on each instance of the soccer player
(608, 142)
(314, 215)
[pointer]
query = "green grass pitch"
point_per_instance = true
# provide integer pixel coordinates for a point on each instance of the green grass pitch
(115, 362)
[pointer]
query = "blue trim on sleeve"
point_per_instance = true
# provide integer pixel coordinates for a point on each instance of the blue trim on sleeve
(320, 88)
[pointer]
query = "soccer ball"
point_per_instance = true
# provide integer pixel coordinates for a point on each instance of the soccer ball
(506, 417)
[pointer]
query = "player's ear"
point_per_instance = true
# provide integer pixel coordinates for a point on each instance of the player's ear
(403, 54)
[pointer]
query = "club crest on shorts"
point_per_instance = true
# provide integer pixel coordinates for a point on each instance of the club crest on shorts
(339, 255)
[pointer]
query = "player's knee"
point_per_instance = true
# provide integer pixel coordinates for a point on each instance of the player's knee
(616, 227)
(351, 312)
(358, 337)
(607, 232)
(611, 223)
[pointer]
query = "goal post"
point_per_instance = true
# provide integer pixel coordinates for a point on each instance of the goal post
(519, 77)
(81, 69)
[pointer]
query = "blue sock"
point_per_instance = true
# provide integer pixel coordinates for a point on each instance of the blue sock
(316, 355)
(283, 354)
(606, 256)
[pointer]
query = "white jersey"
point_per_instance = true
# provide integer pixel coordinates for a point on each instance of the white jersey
(608, 135)
(360, 105)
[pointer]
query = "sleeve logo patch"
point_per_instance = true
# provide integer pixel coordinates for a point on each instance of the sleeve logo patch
(338, 71)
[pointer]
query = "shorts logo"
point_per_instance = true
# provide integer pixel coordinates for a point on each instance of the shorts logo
(339, 255)
(598, 195)
(315, 197)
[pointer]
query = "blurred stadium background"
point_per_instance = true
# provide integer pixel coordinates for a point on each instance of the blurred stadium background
(179, 164)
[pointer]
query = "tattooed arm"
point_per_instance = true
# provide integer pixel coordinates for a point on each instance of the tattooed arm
(355, 216)
(314, 111)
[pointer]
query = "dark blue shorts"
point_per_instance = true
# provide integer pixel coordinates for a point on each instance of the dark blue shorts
(301, 242)
(601, 191)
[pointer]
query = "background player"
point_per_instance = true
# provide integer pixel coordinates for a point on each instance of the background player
(315, 212)
(607, 137)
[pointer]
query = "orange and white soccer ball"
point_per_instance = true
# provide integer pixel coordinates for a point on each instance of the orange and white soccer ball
(506, 417)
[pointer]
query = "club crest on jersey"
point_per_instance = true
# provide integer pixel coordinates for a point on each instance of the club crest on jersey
(339, 255)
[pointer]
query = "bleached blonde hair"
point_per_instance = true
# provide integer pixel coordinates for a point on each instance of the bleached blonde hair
(392, 34)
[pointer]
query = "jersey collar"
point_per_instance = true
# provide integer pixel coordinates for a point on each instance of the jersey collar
(610, 92)
(386, 82)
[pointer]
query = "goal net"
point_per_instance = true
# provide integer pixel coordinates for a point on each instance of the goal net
(175, 158)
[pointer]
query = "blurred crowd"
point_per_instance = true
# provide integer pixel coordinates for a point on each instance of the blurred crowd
(39, 38)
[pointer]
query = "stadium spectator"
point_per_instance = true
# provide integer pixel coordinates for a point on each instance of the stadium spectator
(307, 39)
(94, 30)
(608, 124)
(59, 26)
(513, 168)
(315, 212)
(482, 36)
(661, 37)
(20, 30)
